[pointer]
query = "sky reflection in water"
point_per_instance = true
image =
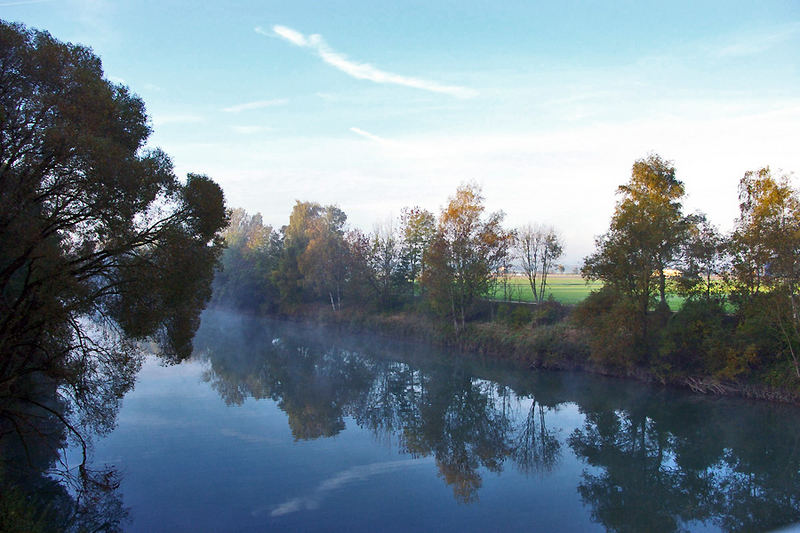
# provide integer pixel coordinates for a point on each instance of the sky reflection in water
(289, 427)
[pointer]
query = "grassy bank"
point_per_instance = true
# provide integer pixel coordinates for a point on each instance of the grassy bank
(550, 341)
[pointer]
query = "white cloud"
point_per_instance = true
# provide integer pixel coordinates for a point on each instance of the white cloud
(259, 104)
(757, 43)
(294, 37)
(364, 71)
(560, 173)
(368, 135)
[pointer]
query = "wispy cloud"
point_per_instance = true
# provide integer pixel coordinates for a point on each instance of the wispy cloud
(363, 71)
(23, 3)
(757, 43)
(368, 135)
(338, 481)
(259, 104)
(293, 36)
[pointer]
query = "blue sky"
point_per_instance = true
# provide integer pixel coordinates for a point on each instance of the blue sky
(380, 105)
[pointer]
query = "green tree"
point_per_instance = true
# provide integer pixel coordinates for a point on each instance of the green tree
(464, 254)
(324, 263)
(646, 231)
(252, 252)
(703, 259)
(287, 276)
(100, 244)
(418, 227)
(765, 255)
(314, 262)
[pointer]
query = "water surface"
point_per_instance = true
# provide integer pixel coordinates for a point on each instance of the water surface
(289, 427)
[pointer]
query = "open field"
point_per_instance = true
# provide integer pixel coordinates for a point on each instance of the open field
(567, 289)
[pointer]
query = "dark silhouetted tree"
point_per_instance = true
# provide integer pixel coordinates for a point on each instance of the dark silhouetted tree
(100, 244)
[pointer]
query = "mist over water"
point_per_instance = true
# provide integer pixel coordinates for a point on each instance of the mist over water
(293, 427)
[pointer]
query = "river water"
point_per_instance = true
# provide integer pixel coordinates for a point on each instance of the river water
(291, 428)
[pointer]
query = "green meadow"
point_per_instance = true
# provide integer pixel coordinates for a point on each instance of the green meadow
(568, 289)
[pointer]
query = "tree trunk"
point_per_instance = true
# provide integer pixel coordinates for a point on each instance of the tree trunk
(543, 284)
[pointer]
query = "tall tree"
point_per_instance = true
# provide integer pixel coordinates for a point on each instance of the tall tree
(656, 194)
(464, 254)
(765, 254)
(100, 243)
(251, 255)
(384, 260)
(287, 276)
(418, 227)
(646, 231)
(323, 263)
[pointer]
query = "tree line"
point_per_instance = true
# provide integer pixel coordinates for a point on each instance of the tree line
(739, 317)
(740, 314)
(443, 264)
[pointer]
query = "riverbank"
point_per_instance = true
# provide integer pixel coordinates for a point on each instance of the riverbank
(555, 343)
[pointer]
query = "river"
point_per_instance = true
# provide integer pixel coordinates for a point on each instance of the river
(275, 426)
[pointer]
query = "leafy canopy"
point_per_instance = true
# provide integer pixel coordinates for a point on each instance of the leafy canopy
(100, 244)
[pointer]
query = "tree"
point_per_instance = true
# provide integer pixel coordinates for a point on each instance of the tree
(384, 261)
(100, 244)
(362, 285)
(323, 263)
(646, 231)
(765, 255)
(464, 254)
(537, 247)
(252, 252)
(703, 258)
(656, 194)
(287, 276)
(418, 227)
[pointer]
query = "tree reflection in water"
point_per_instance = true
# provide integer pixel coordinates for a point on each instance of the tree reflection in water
(656, 460)
(39, 490)
(464, 422)
(662, 467)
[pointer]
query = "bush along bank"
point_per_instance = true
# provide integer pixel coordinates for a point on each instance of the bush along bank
(556, 337)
